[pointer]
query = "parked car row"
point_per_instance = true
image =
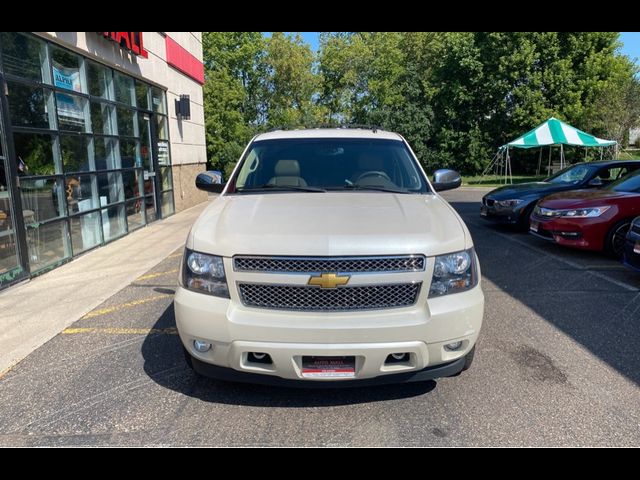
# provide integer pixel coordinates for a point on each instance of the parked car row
(592, 206)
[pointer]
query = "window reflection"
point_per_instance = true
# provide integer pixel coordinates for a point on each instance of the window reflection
(34, 153)
(29, 106)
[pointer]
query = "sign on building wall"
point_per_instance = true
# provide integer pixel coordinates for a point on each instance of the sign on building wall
(130, 41)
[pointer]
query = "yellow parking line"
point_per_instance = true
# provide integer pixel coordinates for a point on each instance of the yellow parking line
(122, 331)
(155, 275)
(115, 308)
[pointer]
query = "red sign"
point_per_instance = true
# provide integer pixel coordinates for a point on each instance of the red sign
(179, 58)
(131, 41)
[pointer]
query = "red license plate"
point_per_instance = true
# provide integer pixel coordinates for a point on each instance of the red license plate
(328, 367)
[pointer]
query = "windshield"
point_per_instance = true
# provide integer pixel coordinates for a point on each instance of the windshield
(628, 183)
(321, 164)
(572, 175)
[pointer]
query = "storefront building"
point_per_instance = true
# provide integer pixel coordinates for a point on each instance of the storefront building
(101, 133)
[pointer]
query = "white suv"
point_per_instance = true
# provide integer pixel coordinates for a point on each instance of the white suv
(329, 257)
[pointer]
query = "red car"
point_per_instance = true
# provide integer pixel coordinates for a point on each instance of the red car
(589, 219)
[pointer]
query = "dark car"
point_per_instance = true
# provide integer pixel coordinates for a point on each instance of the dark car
(632, 246)
(513, 204)
(590, 219)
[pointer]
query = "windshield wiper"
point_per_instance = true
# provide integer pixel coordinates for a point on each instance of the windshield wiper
(354, 186)
(284, 188)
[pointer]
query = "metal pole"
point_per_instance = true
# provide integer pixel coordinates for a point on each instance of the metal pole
(539, 163)
(549, 168)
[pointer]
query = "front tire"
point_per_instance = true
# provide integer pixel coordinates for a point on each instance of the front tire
(614, 241)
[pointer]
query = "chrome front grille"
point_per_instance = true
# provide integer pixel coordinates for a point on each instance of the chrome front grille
(316, 299)
(396, 264)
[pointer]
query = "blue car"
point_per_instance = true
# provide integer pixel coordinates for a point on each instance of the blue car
(632, 246)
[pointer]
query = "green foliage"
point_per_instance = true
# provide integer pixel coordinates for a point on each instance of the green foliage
(454, 96)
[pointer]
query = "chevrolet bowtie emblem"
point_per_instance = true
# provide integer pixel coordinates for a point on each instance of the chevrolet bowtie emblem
(329, 280)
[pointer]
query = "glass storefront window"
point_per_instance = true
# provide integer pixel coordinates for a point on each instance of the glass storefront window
(142, 95)
(113, 222)
(150, 207)
(130, 154)
(135, 214)
(133, 183)
(99, 78)
(165, 178)
(110, 188)
(42, 199)
(79, 191)
(30, 106)
(102, 118)
(158, 100)
(167, 204)
(86, 164)
(105, 155)
(74, 150)
(8, 250)
(86, 231)
(126, 122)
(123, 86)
(24, 56)
(66, 70)
(72, 112)
(161, 124)
(48, 244)
(35, 154)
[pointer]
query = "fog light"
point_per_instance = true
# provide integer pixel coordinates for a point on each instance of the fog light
(259, 356)
(398, 356)
(452, 347)
(201, 346)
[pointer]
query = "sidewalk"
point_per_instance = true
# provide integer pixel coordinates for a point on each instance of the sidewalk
(34, 312)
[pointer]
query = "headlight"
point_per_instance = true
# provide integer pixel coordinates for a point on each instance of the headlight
(453, 273)
(204, 273)
(508, 203)
(583, 212)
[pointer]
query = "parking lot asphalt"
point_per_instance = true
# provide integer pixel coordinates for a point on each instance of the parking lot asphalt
(557, 364)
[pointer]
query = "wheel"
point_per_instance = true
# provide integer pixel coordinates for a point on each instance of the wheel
(614, 241)
(468, 359)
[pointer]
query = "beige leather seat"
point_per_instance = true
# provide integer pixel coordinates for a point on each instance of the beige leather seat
(288, 174)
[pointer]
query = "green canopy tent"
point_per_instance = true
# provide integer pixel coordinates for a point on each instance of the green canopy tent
(551, 133)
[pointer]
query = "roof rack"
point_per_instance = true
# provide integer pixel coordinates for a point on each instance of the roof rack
(373, 128)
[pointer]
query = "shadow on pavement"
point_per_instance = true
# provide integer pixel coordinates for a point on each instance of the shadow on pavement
(164, 363)
(585, 298)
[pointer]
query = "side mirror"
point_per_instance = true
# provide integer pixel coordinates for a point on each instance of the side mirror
(595, 182)
(210, 181)
(445, 179)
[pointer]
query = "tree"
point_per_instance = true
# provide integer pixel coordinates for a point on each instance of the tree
(233, 101)
(290, 83)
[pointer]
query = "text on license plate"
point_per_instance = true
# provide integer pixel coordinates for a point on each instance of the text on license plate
(328, 367)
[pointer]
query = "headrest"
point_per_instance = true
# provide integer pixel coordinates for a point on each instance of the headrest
(287, 168)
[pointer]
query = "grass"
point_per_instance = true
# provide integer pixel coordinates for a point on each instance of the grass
(496, 181)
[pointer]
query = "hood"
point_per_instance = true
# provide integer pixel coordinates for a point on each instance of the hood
(581, 198)
(521, 190)
(325, 224)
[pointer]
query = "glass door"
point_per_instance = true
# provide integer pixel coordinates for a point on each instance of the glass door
(11, 267)
(147, 150)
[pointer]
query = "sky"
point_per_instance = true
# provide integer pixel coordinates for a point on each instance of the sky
(630, 40)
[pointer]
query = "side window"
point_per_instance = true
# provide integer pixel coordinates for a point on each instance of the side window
(608, 175)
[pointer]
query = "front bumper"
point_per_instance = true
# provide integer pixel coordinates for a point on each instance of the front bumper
(585, 233)
(506, 216)
(421, 330)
